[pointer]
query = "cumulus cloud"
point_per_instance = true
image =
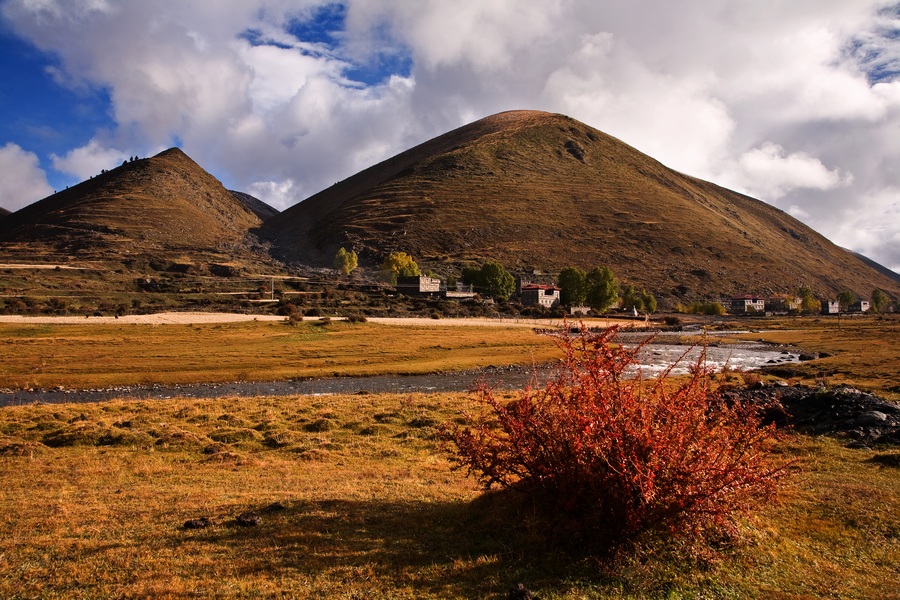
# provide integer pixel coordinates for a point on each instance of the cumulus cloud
(768, 173)
(278, 194)
(797, 102)
(869, 226)
(89, 160)
(23, 181)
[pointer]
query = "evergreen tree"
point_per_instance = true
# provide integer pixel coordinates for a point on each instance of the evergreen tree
(495, 281)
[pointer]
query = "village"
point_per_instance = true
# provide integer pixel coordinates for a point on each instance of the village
(549, 296)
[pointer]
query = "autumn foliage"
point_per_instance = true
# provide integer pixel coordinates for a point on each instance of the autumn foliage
(613, 456)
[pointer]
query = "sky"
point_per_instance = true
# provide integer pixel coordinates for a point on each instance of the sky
(794, 102)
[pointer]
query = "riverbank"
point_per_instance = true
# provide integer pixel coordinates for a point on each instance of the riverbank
(654, 359)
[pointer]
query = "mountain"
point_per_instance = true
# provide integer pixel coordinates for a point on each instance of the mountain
(540, 191)
(255, 205)
(165, 207)
(3, 212)
(878, 267)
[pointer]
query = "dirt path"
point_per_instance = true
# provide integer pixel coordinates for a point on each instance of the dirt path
(506, 322)
(190, 318)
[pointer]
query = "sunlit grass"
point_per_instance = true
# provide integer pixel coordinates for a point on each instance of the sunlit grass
(85, 356)
(864, 352)
(356, 499)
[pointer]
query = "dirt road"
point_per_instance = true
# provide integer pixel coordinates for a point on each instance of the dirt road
(190, 318)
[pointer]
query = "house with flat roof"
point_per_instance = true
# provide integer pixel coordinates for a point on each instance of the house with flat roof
(535, 294)
(748, 304)
(419, 285)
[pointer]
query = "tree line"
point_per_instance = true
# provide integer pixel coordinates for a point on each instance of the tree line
(598, 288)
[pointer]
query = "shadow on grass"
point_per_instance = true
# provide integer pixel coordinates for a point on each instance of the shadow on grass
(446, 549)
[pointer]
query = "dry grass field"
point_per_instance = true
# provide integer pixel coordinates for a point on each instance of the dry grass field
(355, 497)
(864, 352)
(356, 500)
(91, 355)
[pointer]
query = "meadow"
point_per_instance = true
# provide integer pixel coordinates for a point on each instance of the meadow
(101, 355)
(353, 496)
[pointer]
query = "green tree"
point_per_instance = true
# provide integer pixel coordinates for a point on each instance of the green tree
(649, 301)
(471, 276)
(345, 261)
(492, 279)
(631, 299)
(571, 281)
(399, 264)
(847, 299)
(602, 288)
(880, 300)
(704, 308)
(809, 304)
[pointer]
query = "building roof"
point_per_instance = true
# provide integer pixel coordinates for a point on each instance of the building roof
(538, 286)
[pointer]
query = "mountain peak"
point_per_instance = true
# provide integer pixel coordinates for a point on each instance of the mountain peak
(163, 204)
(542, 191)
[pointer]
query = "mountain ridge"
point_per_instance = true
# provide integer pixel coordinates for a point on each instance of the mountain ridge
(536, 191)
(540, 191)
(166, 205)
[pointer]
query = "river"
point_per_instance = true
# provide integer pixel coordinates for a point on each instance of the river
(654, 358)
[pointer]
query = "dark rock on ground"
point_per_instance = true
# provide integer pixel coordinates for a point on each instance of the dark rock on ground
(200, 523)
(887, 460)
(862, 418)
(248, 519)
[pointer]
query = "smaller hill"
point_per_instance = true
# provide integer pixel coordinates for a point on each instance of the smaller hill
(3, 212)
(165, 207)
(255, 205)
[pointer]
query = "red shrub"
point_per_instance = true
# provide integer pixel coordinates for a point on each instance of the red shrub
(616, 456)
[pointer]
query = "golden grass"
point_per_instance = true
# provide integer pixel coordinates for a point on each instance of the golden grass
(864, 352)
(357, 501)
(86, 356)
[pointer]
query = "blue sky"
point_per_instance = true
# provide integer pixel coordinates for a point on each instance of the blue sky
(796, 103)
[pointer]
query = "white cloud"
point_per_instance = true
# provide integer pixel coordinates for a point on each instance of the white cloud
(485, 37)
(869, 226)
(23, 181)
(89, 160)
(791, 101)
(768, 173)
(278, 194)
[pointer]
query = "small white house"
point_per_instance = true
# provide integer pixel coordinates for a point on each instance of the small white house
(860, 306)
(748, 304)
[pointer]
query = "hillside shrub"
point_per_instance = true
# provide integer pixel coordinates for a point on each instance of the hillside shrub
(610, 457)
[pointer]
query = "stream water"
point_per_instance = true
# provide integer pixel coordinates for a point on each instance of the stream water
(654, 358)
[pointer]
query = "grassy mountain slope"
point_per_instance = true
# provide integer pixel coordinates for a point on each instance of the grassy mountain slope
(165, 206)
(542, 191)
